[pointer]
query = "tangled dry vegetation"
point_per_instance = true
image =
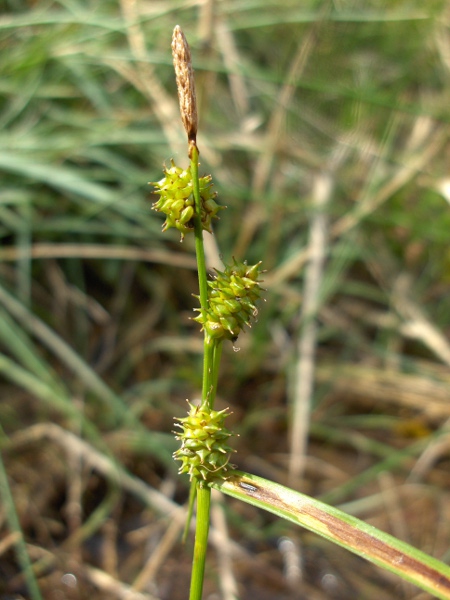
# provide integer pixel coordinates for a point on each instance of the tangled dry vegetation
(326, 129)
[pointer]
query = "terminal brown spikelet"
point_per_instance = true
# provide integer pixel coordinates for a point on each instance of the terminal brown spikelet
(184, 73)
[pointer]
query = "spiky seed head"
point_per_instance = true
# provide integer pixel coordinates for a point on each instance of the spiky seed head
(232, 295)
(204, 452)
(176, 200)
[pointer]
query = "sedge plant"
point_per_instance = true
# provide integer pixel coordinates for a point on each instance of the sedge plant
(227, 305)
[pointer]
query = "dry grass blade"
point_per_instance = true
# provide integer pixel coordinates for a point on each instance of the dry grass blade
(304, 379)
(143, 75)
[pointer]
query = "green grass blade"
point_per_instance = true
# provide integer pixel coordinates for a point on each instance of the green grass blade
(345, 530)
(14, 525)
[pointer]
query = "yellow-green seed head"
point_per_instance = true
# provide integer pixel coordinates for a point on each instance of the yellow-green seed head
(232, 295)
(204, 453)
(177, 202)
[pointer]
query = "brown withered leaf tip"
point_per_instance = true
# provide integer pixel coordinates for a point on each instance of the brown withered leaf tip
(185, 82)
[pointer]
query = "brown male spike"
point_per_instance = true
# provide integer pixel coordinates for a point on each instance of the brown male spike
(184, 73)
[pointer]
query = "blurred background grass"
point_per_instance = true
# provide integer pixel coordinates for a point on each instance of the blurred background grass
(341, 103)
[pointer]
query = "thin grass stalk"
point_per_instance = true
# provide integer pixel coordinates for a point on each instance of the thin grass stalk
(199, 247)
(191, 502)
(203, 494)
(201, 541)
(215, 372)
(305, 368)
(14, 525)
(209, 386)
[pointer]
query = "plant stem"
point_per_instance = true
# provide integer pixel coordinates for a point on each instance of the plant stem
(211, 358)
(217, 353)
(199, 248)
(212, 348)
(192, 495)
(211, 363)
(201, 541)
(208, 392)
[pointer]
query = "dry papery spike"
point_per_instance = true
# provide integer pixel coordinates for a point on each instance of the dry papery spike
(184, 73)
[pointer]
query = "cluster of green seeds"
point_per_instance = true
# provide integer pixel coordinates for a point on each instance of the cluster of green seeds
(232, 295)
(204, 453)
(176, 200)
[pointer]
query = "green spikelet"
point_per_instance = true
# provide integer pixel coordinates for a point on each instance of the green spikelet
(204, 453)
(232, 295)
(176, 200)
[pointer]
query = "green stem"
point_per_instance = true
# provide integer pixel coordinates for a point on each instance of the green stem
(209, 385)
(217, 353)
(199, 248)
(192, 495)
(209, 346)
(211, 364)
(212, 348)
(201, 541)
